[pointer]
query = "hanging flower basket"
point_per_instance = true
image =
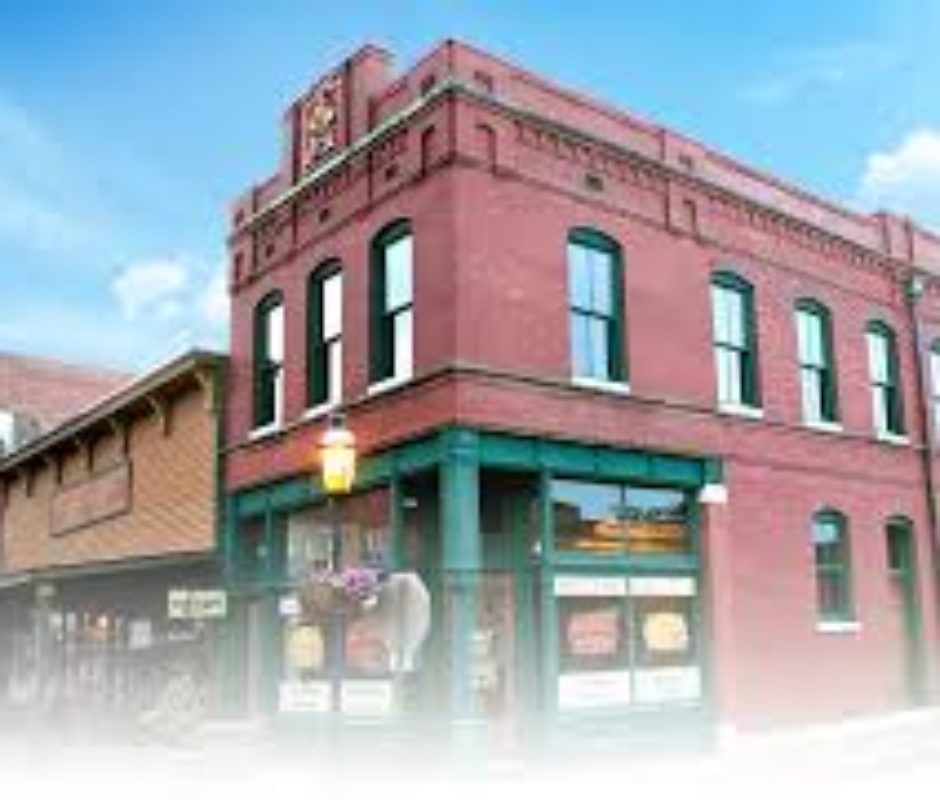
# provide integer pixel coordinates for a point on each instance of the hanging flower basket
(350, 592)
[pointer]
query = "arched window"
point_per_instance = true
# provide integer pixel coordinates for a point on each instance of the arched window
(595, 306)
(834, 601)
(935, 386)
(818, 393)
(899, 547)
(392, 304)
(325, 335)
(734, 340)
(268, 371)
(884, 374)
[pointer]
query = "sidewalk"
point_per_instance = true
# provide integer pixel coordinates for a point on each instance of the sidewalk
(894, 751)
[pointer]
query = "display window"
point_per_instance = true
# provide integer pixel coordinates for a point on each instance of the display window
(626, 641)
(618, 519)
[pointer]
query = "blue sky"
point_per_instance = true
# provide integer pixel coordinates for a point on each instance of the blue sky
(127, 128)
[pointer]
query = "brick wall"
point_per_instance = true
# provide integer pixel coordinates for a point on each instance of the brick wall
(491, 211)
(52, 391)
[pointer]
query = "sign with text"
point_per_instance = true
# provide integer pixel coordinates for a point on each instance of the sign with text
(367, 698)
(95, 499)
(594, 689)
(311, 697)
(662, 586)
(197, 604)
(590, 586)
(668, 685)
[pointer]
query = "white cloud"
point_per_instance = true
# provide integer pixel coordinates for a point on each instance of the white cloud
(177, 301)
(151, 286)
(214, 301)
(906, 178)
(807, 69)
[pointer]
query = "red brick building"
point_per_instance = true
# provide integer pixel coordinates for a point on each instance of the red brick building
(657, 430)
(36, 394)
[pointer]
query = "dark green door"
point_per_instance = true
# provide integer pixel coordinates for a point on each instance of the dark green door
(902, 572)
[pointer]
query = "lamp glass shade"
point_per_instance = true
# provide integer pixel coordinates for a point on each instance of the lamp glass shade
(337, 460)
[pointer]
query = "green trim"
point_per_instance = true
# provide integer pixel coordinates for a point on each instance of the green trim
(828, 370)
(905, 572)
(381, 330)
(318, 378)
(750, 363)
(893, 389)
(548, 621)
(264, 371)
(500, 450)
(616, 346)
(461, 564)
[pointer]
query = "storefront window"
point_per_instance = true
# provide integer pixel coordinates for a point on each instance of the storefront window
(626, 641)
(364, 524)
(607, 518)
(309, 629)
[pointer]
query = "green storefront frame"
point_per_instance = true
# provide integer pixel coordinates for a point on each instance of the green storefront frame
(460, 456)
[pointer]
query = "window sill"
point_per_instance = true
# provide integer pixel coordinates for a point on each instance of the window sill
(838, 626)
(598, 385)
(321, 410)
(824, 427)
(265, 431)
(750, 412)
(387, 385)
(898, 440)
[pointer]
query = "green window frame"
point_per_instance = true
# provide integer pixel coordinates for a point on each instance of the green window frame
(818, 384)
(268, 360)
(884, 375)
(833, 567)
(392, 303)
(934, 359)
(325, 335)
(734, 340)
(595, 306)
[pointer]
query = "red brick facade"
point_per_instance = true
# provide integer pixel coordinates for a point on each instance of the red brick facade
(494, 166)
(51, 391)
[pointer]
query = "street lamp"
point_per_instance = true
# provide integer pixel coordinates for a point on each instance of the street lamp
(337, 473)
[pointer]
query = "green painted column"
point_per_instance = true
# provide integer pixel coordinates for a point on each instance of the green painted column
(461, 563)
(230, 631)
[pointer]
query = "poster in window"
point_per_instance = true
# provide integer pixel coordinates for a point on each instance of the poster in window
(594, 633)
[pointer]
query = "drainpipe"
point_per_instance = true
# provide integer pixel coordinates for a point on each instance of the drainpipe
(914, 292)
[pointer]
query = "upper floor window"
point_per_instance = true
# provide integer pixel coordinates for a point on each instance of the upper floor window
(834, 602)
(595, 300)
(325, 347)
(817, 367)
(735, 340)
(935, 386)
(885, 381)
(268, 377)
(392, 353)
